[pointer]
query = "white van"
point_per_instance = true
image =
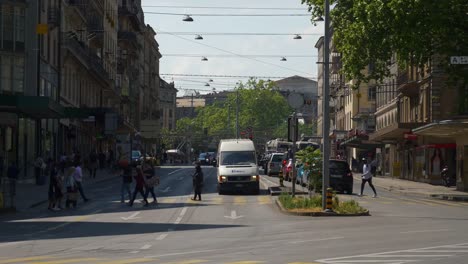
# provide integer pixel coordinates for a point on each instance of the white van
(237, 166)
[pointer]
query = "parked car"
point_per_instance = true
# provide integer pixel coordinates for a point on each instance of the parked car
(341, 177)
(136, 157)
(273, 165)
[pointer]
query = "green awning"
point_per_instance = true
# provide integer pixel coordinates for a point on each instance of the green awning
(37, 107)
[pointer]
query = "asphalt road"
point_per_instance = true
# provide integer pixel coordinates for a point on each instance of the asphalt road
(234, 229)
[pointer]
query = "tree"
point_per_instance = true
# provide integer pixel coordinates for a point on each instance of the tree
(261, 108)
(371, 31)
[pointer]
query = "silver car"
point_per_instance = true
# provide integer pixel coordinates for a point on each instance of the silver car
(274, 164)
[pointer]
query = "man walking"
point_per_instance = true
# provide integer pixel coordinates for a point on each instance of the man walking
(367, 177)
(197, 182)
(78, 177)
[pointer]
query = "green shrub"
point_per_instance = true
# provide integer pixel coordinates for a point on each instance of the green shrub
(315, 203)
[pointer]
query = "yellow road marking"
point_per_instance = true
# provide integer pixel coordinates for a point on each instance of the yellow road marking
(240, 200)
(420, 202)
(264, 200)
(17, 260)
(64, 261)
(411, 203)
(218, 200)
(190, 201)
(168, 200)
(128, 261)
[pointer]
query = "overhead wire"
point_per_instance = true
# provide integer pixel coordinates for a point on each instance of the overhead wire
(230, 52)
(238, 33)
(226, 15)
(225, 7)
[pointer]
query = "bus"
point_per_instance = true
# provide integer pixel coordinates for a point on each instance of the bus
(278, 145)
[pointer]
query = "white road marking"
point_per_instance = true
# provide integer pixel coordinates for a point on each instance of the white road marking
(184, 210)
(398, 254)
(162, 236)
(134, 252)
(131, 217)
(11, 243)
(172, 172)
(147, 246)
(166, 190)
(177, 221)
(313, 240)
(425, 231)
(234, 215)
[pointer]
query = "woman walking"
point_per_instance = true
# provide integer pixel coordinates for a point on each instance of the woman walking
(139, 186)
(148, 171)
(197, 180)
(367, 177)
(55, 190)
(70, 184)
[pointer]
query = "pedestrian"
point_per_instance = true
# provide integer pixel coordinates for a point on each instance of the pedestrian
(373, 167)
(78, 177)
(63, 162)
(70, 184)
(367, 177)
(110, 159)
(148, 171)
(126, 182)
(12, 174)
(139, 186)
(93, 164)
(39, 166)
(102, 160)
(197, 180)
(55, 191)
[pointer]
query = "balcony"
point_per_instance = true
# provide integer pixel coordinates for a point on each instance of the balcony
(129, 37)
(80, 6)
(77, 48)
(96, 29)
(131, 11)
(407, 85)
(97, 67)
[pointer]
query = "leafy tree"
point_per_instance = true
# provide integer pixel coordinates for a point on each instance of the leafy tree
(312, 161)
(370, 31)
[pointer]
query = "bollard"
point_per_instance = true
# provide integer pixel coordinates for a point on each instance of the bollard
(281, 177)
(329, 206)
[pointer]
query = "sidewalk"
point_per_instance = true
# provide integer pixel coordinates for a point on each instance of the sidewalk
(390, 184)
(30, 195)
(417, 188)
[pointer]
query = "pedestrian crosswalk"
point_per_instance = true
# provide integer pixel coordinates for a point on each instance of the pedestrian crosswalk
(218, 200)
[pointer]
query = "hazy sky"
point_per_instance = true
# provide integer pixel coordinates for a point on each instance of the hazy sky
(225, 48)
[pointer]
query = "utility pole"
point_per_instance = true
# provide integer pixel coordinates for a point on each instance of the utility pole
(237, 113)
(293, 152)
(326, 107)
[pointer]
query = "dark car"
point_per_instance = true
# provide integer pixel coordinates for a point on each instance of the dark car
(341, 177)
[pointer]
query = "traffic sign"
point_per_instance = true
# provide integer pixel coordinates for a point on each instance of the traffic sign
(295, 100)
(459, 60)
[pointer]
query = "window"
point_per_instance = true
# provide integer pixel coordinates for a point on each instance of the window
(18, 75)
(371, 93)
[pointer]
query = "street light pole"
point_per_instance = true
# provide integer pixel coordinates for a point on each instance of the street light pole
(237, 113)
(326, 106)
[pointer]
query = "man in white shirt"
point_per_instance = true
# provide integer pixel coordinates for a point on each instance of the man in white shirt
(78, 177)
(367, 177)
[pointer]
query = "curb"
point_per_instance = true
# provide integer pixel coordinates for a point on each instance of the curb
(283, 210)
(450, 197)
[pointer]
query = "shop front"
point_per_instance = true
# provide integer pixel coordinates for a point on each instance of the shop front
(450, 150)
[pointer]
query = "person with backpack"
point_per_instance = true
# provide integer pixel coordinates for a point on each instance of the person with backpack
(126, 183)
(197, 180)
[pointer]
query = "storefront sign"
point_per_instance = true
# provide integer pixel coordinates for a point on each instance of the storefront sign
(410, 136)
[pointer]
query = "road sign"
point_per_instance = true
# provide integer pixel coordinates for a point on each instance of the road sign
(295, 100)
(459, 60)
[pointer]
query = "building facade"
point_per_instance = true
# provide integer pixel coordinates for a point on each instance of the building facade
(168, 94)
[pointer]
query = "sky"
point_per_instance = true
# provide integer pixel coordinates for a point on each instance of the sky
(226, 53)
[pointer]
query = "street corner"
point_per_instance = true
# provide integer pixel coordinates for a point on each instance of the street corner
(316, 213)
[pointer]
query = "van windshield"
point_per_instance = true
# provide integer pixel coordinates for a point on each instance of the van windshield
(238, 158)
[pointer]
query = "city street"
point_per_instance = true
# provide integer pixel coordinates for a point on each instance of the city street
(243, 229)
